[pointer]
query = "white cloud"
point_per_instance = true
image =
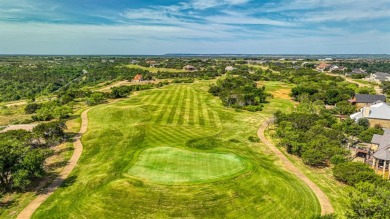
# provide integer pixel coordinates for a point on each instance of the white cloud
(204, 4)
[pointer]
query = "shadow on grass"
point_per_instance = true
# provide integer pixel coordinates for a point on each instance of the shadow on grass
(57, 164)
(68, 181)
(7, 204)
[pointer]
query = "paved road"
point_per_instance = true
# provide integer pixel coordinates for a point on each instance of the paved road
(326, 206)
(78, 149)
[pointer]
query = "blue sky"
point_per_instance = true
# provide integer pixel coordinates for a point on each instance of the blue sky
(194, 26)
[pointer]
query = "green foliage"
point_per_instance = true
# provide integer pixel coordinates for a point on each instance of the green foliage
(52, 110)
(124, 91)
(239, 92)
(32, 108)
(19, 162)
(337, 159)
(363, 122)
(385, 85)
(95, 98)
(52, 132)
(310, 136)
(344, 108)
(366, 136)
(183, 80)
(354, 172)
(370, 201)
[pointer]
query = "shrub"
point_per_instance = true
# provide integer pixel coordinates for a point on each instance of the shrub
(32, 108)
(253, 139)
(352, 173)
(337, 159)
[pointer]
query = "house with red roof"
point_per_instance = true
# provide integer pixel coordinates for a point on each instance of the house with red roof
(137, 78)
(323, 67)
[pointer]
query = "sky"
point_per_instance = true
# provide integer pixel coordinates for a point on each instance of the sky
(156, 27)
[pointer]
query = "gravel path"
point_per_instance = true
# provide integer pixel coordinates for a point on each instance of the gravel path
(43, 195)
(326, 206)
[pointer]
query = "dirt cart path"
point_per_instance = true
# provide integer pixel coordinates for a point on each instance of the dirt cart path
(326, 206)
(28, 211)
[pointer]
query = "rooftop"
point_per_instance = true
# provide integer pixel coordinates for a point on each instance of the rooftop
(369, 98)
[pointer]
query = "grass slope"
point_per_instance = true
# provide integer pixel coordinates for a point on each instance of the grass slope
(184, 117)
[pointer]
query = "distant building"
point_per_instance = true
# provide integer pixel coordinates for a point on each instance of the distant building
(323, 67)
(356, 71)
(337, 68)
(189, 68)
(377, 114)
(137, 78)
(379, 77)
(362, 100)
(229, 68)
(152, 63)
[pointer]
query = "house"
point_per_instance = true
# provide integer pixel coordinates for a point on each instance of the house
(381, 147)
(379, 77)
(229, 68)
(337, 68)
(362, 100)
(189, 68)
(377, 114)
(137, 78)
(323, 67)
(356, 71)
(152, 63)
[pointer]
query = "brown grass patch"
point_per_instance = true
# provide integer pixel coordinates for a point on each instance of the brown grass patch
(282, 94)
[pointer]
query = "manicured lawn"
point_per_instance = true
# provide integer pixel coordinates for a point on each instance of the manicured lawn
(168, 165)
(182, 130)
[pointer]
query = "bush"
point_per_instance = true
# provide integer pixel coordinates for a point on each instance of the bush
(253, 139)
(352, 173)
(337, 159)
(253, 108)
(95, 98)
(314, 157)
(32, 108)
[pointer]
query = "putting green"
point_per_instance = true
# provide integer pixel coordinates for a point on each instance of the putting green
(168, 165)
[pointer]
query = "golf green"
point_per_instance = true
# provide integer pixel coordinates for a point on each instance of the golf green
(168, 165)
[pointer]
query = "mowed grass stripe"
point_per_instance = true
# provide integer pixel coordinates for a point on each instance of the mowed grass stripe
(168, 118)
(173, 135)
(163, 106)
(179, 107)
(152, 98)
(186, 117)
(193, 108)
(181, 118)
(217, 121)
(200, 110)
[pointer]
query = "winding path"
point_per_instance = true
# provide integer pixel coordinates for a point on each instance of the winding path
(377, 89)
(326, 206)
(28, 211)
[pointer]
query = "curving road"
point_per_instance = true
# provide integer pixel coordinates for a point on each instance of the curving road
(28, 211)
(326, 206)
